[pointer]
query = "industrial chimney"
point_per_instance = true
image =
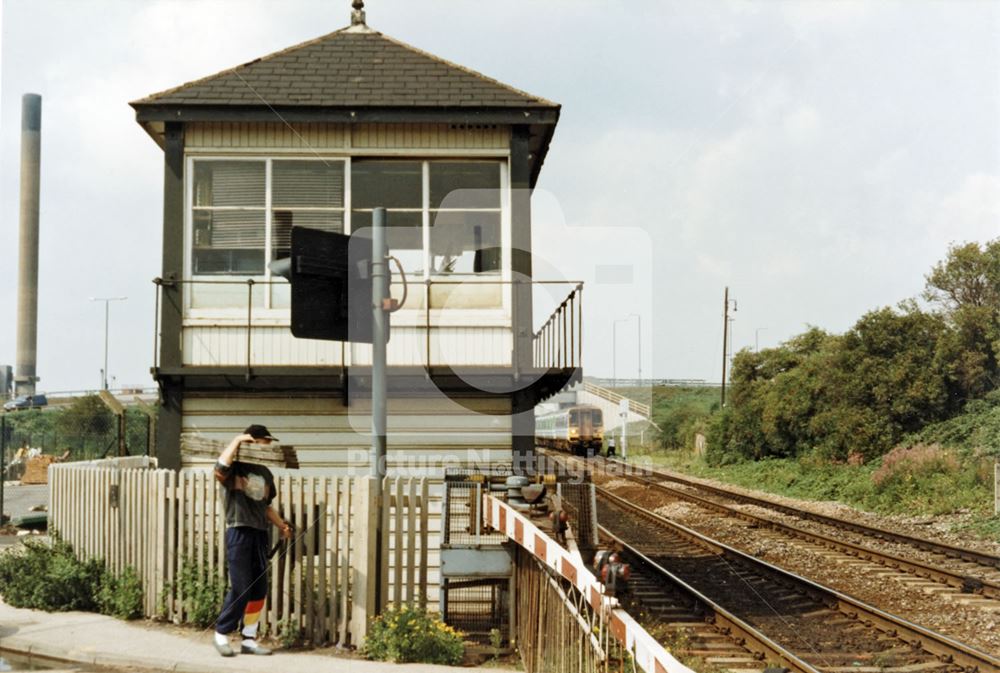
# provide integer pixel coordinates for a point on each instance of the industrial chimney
(27, 287)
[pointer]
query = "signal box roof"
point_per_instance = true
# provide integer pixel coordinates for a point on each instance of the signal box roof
(355, 74)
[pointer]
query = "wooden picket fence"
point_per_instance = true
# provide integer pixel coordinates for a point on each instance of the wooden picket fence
(156, 520)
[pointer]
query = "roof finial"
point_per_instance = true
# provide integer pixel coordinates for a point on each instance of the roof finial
(358, 13)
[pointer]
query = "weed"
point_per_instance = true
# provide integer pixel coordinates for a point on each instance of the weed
(120, 596)
(407, 634)
(202, 593)
(289, 633)
(496, 641)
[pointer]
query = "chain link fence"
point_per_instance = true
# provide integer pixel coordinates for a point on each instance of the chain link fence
(85, 429)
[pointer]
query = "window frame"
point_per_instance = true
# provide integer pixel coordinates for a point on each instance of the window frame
(269, 315)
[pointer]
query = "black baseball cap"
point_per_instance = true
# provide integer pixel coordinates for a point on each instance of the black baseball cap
(259, 432)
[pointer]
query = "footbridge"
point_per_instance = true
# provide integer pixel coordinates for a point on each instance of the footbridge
(611, 404)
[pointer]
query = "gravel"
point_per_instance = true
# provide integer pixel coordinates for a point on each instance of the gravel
(863, 580)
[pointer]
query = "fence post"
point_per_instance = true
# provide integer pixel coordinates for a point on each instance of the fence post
(996, 487)
(364, 572)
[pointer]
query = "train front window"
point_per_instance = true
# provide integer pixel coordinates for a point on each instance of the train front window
(595, 417)
(574, 417)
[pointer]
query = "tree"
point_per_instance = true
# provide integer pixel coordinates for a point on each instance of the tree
(965, 286)
(894, 372)
(968, 276)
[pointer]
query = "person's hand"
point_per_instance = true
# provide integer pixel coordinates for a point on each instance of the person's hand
(245, 438)
(286, 530)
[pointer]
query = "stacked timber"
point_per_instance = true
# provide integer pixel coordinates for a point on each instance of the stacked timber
(36, 469)
(272, 455)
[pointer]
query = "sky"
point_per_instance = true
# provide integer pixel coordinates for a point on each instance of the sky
(815, 157)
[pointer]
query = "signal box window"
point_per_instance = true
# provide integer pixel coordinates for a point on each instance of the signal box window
(396, 186)
(305, 194)
(229, 224)
(465, 217)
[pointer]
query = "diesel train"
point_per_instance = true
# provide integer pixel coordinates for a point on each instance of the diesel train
(578, 429)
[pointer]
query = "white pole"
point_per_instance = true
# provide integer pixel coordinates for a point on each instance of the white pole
(107, 303)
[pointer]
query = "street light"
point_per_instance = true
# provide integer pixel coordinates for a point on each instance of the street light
(614, 347)
(756, 339)
(107, 302)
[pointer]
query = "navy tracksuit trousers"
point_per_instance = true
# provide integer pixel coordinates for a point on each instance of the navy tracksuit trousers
(246, 553)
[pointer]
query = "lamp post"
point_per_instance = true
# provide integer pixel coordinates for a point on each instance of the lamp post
(614, 347)
(756, 339)
(614, 351)
(639, 339)
(107, 303)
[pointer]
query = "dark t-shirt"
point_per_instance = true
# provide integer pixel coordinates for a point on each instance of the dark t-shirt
(249, 491)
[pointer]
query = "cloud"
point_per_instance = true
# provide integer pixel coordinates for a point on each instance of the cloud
(971, 212)
(713, 266)
(807, 18)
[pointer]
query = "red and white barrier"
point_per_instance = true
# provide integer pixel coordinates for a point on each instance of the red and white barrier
(648, 654)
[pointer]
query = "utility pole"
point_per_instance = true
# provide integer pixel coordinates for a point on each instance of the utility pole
(725, 339)
(725, 336)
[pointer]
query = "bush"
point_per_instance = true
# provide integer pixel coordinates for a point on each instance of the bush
(903, 463)
(120, 596)
(929, 479)
(407, 634)
(201, 593)
(47, 576)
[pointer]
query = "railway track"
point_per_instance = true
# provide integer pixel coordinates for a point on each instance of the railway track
(970, 558)
(779, 616)
(969, 578)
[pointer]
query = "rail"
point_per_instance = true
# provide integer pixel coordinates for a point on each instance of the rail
(935, 647)
(960, 581)
(591, 623)
(950, 551)
(557, 343)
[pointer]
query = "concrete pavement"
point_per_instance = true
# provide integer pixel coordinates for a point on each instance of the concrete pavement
(93, 639)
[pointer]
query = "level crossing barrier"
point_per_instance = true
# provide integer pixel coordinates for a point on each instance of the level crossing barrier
(571, 624)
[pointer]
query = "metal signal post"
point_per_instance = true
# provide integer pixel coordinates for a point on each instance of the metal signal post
(380, 335)
(380, 332)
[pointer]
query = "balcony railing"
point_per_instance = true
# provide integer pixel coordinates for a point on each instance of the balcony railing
(444, 322)
(558, 344)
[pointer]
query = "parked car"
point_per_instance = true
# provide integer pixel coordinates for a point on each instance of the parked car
(26, 402)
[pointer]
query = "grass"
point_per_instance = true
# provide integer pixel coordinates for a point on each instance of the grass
(963, 489)
(919, 478)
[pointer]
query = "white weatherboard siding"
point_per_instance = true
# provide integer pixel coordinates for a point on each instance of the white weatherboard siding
(424, 434)
(209, 345)
(385, 138)
(470, 326)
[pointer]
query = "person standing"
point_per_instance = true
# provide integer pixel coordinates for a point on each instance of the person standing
(249, 491)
